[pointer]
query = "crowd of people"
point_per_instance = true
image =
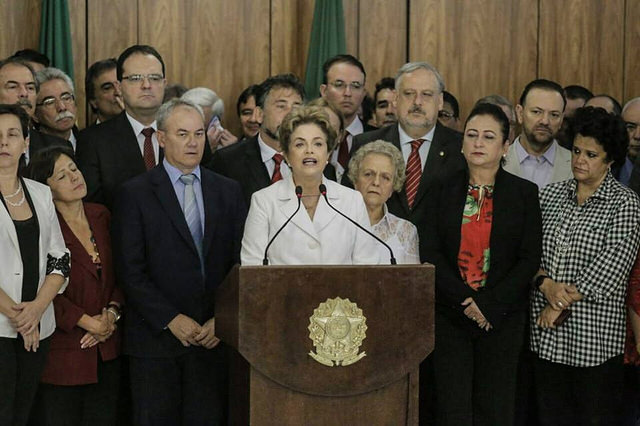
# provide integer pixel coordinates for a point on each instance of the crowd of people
(115, 237)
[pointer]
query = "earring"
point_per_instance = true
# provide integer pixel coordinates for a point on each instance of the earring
(462, 151)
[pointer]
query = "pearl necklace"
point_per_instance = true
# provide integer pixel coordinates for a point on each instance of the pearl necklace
(19, 203)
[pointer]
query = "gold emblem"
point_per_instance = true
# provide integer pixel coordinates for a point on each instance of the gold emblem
(337, 329)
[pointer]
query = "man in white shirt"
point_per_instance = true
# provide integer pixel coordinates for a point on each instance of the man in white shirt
(535, 155)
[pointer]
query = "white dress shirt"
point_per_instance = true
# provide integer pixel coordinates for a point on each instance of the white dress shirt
(354, 129)
(138, 127)
(267, 153)
(423, 151)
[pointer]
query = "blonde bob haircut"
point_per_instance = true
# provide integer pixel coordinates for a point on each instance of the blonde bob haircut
(383, 148)
(306, 115)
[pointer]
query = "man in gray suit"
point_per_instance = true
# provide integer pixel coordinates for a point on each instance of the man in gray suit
(535, 155)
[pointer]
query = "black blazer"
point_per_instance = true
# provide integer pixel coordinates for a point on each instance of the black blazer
(516, 244)
(444, 157)
(38, 141)
(157, 263)
(242, 162)
(108, 155)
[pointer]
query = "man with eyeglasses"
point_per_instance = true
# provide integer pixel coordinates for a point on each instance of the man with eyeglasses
(535, 155)
(18, 86)
(102, 89)
(56, 105)
(449, 115)
(127, 145)
(343, 87)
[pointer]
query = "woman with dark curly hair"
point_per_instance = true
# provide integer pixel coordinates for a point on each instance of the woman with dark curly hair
(591, 232)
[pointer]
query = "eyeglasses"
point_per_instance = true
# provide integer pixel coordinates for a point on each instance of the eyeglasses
(445, 114)
(50, 102)
(342, 85)
(139, 78)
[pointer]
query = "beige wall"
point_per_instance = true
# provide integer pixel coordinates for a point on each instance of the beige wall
(480, 46)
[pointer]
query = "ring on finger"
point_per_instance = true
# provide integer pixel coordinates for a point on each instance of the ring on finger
(560, 304)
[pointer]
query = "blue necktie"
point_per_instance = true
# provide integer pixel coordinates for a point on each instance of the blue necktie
(191, 213)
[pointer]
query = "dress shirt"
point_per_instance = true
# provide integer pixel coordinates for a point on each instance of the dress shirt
(536, 169)
(178, 187)
(402, 237)
(267, 153)
(625, 171)
(593, 246)
(355, 128)
(72, 140)
(138, 127)
(423, 151)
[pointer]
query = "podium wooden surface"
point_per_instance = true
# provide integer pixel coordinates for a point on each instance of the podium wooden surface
(263, 312)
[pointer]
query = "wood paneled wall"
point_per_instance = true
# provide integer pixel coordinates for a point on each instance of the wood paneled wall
(479, 46)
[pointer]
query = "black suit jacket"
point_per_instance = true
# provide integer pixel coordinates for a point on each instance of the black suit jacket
(38, 141)
(242, 162)
(108, 155)
(157, 263)
(515, 244)
(444, 157)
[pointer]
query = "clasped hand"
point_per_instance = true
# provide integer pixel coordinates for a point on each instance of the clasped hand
(559, 295)
(474, 314)
(189, 332)
(27, 316)
(101, 330)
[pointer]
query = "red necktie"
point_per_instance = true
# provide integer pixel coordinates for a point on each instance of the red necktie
(343, 151)
(277, 158)
(414, 172)
(147, 149)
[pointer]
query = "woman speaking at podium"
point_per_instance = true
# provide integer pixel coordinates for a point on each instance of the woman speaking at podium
(291, 222)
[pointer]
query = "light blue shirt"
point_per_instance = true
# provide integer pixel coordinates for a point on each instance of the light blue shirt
(178, 187)
(538, 170)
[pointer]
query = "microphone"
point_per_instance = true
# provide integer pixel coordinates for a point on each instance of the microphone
(265, 261)
(323, 191)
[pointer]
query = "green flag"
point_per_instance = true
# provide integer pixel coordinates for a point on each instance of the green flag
(327, 40)
(55, 34)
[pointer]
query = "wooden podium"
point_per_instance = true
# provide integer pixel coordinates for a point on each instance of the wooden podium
(264, 313)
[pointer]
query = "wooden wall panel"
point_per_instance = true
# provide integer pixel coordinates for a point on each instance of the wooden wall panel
(351, 10)
(20, 24)
(581, 42)
(631, 56)
(78, 21)
(223, 45)
(382, 38)
(291, 22)
(480, 48)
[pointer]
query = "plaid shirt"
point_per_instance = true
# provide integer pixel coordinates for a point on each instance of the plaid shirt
(593, 246)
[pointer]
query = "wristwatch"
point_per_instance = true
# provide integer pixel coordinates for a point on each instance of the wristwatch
(540, 279)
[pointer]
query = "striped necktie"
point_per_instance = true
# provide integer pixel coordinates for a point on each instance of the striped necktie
(414, 172)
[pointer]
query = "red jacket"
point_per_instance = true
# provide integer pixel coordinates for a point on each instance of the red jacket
(68, 364)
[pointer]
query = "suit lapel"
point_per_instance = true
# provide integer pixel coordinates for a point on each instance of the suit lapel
(80, 256)
(211, 199)
(165, 193)
(127, 144)
(255, 166)
(393, 136)
(7, 223)
(288, 203)
(435, 158)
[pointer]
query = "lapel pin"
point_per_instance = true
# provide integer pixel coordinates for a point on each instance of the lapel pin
(441, 153)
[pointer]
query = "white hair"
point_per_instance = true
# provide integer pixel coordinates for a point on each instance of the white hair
(205, 98)
(51, 73)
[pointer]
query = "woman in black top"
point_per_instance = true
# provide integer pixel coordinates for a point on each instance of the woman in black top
(34, 264)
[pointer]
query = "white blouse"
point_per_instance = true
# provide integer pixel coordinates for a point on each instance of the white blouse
(402, 237)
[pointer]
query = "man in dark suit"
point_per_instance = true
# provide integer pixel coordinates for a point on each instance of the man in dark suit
(257, 162)
(18, 85)
(343, 80)
(177, 233)
(127, 145)
(429, 149)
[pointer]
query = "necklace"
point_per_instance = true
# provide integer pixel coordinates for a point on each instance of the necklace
(19, 203)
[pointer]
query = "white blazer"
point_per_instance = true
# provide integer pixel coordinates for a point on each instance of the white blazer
(51, 243)
(329, 239)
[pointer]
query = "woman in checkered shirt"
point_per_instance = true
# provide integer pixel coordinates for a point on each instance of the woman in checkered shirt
(590, 227)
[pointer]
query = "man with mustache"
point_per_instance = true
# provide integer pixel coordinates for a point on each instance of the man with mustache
(343, 88)
(56, 105)
(535, 155)
(256, 162)
(18, 86)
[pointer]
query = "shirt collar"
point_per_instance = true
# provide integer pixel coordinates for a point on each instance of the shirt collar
(406, 139)
(384, 221)
(549, 155)
(356, 127)
(604, 190)
(266, 152)
(174, 173)
(138, 127)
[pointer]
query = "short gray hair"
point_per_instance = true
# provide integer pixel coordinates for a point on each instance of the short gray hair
(48, 74)
(205, 97)
(630, 102)
(384, 148)
(413, 66)
(498, 100)
(168, 107)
